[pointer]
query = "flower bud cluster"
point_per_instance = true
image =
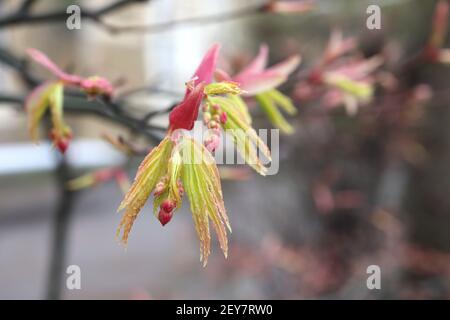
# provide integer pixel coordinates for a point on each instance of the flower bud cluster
(213, 118)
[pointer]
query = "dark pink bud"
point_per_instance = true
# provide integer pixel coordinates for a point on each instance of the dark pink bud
(431, 54)
(223, 118)
(62, 144)
(164, 217)
(315, 77)
(167, 205)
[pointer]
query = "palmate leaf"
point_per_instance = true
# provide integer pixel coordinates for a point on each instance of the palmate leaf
(201, 181)
(244, 136)
(152, 168)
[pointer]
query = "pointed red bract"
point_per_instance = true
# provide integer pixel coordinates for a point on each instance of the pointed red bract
(184, 114)
(205, 70)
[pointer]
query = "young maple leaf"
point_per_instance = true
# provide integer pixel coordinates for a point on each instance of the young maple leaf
(180, 165)
(50, 96)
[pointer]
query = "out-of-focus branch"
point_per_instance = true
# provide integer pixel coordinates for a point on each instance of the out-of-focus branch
(77, 104)
(23, 15)
(26, 6)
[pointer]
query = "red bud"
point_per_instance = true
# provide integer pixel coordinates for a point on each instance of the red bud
(164, 217)
(315, 77)
(167, 205)
(431, 54)
(62, 145)
(223, 117)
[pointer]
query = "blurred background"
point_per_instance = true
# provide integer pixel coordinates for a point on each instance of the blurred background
(352, 190)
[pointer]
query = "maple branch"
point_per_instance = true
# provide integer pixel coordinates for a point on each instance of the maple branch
(23, 15)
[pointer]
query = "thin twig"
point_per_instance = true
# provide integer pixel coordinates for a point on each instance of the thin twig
(23, 16)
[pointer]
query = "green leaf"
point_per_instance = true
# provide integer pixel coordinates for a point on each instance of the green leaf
(36, 105)
(241, 107)
(201, 181)
(151, 170)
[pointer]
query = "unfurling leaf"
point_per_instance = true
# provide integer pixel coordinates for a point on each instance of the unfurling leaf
(36, 105)
(49, 95)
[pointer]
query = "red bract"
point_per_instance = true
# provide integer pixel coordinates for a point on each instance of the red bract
(205, 70)
(92, 86)
(184, 114)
